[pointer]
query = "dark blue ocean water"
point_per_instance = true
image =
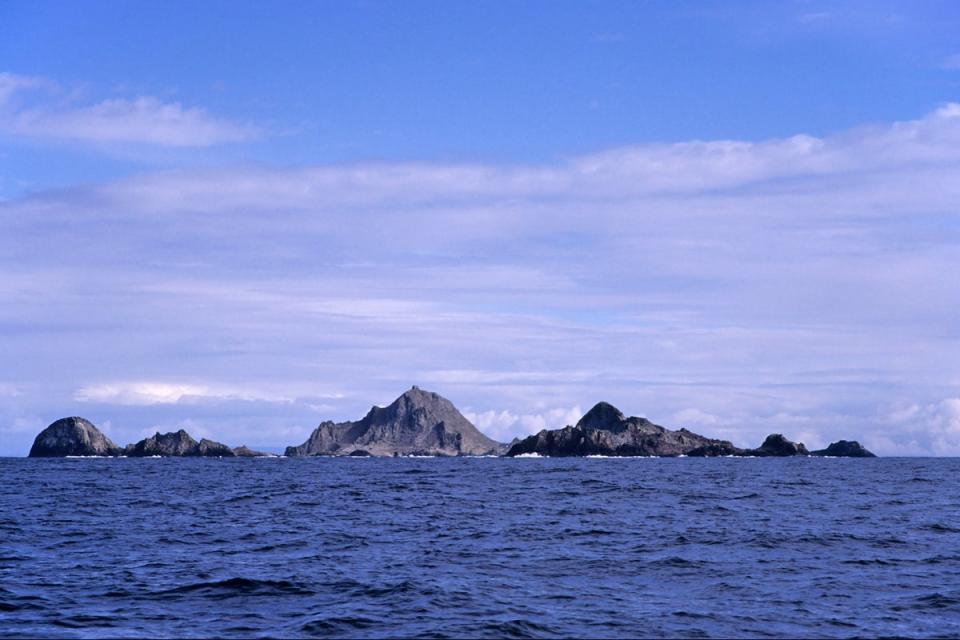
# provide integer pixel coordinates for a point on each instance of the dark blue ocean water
(479, 547)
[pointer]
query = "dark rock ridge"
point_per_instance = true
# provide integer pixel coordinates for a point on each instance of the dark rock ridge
(844, 449)
(417, 423)
(605, 431)
(723, 448)
(777, 445)
(72, 437)
(213, 449)
(178, 444)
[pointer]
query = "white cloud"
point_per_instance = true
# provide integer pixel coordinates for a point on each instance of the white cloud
(551, 419)
(692, 417)
(498, 425)
(504, 426)
(11, 85)
(137, 120)
(746, 429)
(26, 426)
(150, 393)
(922, 429)
(482, 197)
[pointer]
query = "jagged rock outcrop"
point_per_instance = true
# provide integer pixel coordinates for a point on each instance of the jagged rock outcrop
(605, 431)
(844, 449)
(776, 445)
(178, 444)
(716, 450)
(417, 423)
(72, 437)
(243, 451)
(166, 444)
(212, 449)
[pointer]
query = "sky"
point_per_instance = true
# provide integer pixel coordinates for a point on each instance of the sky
(243, 219)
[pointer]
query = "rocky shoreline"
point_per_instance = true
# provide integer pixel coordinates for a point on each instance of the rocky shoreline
(422, 423)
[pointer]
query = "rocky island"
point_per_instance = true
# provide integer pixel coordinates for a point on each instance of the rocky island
(178, 444)
(72, 437)
(79, 437)
(844, 449)
(419, 423)
(423, 423)
(605, 431)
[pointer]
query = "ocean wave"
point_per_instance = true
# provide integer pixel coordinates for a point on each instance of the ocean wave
(232, 587)
(516, 628)
(338, 625)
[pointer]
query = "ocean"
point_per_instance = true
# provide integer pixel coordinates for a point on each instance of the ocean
(479, 547)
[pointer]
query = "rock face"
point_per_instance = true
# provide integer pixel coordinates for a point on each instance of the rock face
(716, 450)
(72, 437)
(777, 445)
(605, 431)
(211, 449)
(417, 423)
(844, 449)
(178, 444)
(243, 451)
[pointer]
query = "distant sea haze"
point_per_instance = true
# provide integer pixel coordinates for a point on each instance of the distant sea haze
(423, 423)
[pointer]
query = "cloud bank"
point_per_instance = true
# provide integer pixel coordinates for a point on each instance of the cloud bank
(151, 393)
(735, 287)
(34, 107)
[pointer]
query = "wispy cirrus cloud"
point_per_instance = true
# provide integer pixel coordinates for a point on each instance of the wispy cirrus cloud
(34, 107)
(150, 393)
(694, 167)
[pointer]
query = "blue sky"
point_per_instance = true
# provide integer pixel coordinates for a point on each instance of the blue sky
(244, 219)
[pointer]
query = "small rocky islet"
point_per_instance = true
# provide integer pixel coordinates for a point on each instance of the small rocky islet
(79, 437)
(423, 423)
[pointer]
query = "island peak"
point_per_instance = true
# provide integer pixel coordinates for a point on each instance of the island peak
(419, 422)
(603, 415)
